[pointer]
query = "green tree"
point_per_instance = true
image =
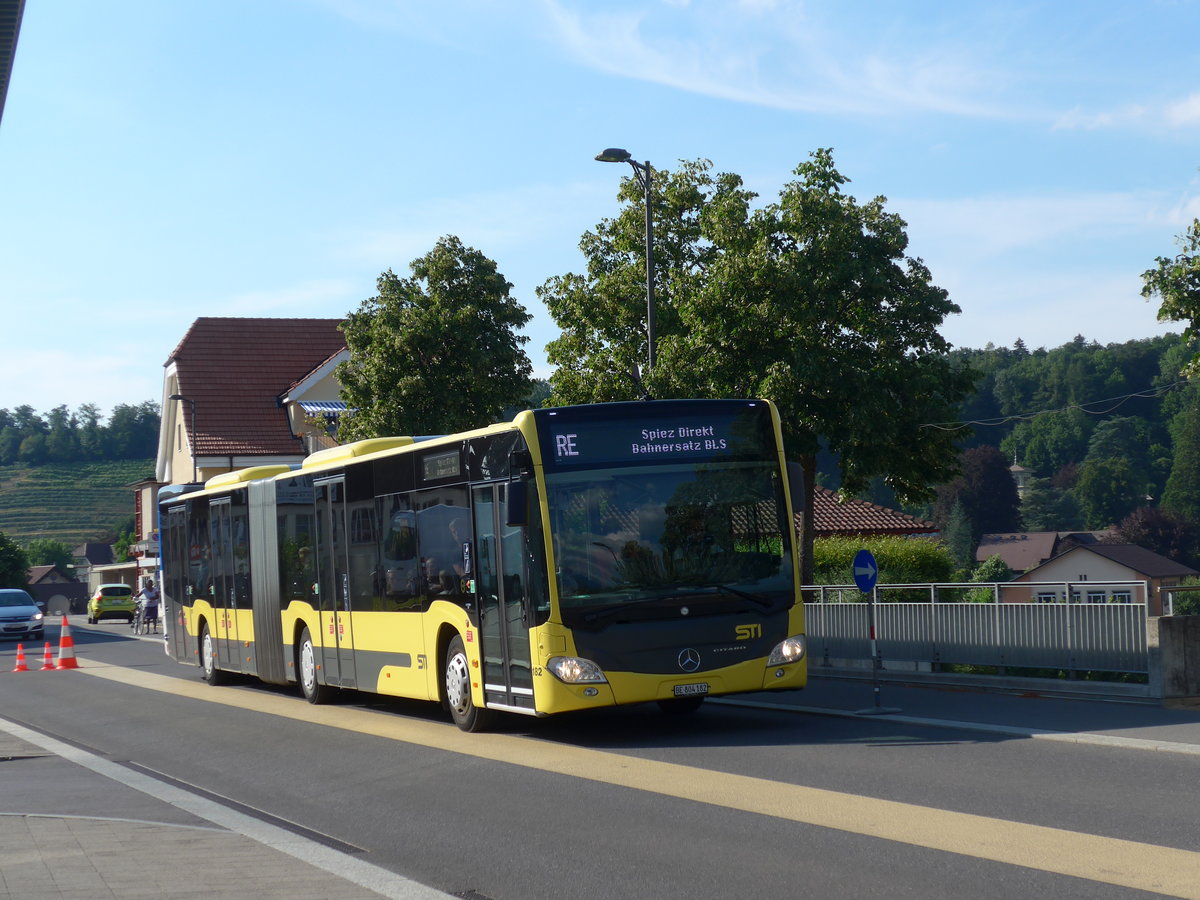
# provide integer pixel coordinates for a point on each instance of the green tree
(125, 540)
(91, 434)
(132, 431)
(14, 565)
(62, 441)
(1182, 493)
(809, 301)
(1048, 508)
(1175, 280)
(33, 450)
(1163, 532)
(1048, 442)
(987, 494)
(437, 352)
(991, 570)
(959, 536)
(10, 445)
(1108, 490)
(48, 552)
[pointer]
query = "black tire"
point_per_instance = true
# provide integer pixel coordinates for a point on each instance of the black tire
(680, 706)
(456, 690)
(208, 658)
(307, 672)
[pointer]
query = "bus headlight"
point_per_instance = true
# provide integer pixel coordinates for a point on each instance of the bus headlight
(574, 670)
(789, 650)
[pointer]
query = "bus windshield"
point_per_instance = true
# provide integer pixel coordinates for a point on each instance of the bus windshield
(651, 542)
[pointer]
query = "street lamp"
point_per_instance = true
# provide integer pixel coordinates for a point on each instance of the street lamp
(192, 403)
(643, 173)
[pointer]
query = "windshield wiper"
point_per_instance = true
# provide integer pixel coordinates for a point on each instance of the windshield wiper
(608, 611)
(745, 595)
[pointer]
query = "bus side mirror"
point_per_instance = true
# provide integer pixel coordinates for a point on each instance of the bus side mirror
(795, 475)
(518, 503)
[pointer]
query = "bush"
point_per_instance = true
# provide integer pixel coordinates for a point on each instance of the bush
(902, 560)
(1187, 603)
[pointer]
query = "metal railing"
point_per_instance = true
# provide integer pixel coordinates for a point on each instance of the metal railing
(1074, 626)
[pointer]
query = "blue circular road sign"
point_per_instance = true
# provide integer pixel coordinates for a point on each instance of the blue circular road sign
(866, 572)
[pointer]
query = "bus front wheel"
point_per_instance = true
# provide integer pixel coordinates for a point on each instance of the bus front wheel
(306, 663)
(208, 658)
(456, 689)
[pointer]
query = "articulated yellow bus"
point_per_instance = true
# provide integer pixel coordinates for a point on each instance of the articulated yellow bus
(574, 558)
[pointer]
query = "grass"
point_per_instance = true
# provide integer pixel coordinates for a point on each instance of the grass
(68, 502)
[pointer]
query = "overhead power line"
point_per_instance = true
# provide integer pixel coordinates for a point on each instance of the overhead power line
(1116, 402)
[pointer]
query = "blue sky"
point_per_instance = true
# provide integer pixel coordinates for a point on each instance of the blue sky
(163, 160)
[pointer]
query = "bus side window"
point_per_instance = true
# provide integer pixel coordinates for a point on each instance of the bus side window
(443, 527)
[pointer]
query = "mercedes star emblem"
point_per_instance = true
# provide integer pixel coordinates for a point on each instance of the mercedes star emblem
(689, 659)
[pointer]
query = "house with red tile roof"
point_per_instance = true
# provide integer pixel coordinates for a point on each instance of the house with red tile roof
(241, 392)
(832, 516)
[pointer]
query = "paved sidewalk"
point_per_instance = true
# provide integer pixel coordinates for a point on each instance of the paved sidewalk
(120, 842)
(1141, 725)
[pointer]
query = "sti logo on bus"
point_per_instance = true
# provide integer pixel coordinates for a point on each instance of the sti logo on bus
(746, 632)
(565, 445)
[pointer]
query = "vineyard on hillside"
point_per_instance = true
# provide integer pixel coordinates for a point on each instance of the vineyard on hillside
(68, 502)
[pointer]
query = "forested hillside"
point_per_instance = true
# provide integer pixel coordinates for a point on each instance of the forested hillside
(1110, 435)
(60, 435)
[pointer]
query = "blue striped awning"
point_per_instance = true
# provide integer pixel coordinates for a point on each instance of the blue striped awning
(323, 407)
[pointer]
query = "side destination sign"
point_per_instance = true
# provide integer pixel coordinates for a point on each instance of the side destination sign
(653, 432)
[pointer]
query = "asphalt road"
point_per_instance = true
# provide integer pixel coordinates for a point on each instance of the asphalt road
(734, 801)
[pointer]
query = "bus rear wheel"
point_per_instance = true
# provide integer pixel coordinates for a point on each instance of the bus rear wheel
(306, 666)
(456, 689)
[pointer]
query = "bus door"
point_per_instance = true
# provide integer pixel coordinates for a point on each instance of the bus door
(223, 595)
(333, 579)
(174, 589)
(501, 586)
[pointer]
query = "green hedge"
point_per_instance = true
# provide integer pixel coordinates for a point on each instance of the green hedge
(902, 560)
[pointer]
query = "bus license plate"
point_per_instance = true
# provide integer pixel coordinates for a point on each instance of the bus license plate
(688, 690)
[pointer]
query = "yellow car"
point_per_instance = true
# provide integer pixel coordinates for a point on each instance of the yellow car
(112, 601)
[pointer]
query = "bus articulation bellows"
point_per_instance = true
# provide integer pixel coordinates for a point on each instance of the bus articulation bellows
(574, 558)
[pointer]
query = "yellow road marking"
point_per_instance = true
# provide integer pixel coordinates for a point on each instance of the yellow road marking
(1145, 867)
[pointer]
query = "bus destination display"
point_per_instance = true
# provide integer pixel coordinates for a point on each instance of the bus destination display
(722, 434)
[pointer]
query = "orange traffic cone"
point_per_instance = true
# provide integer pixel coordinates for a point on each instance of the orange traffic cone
(66, 648)
(47, 659)
(20, 666)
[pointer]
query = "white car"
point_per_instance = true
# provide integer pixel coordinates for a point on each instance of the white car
(20, 616)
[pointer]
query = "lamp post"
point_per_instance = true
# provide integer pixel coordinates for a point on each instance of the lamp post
(643, 173)
(192, 403)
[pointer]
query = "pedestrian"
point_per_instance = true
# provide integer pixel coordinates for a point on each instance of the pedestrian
(148, 605)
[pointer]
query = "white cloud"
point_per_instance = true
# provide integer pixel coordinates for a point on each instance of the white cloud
(1184, 113)
(775, 54)
(1179, 114)
(987, 226)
